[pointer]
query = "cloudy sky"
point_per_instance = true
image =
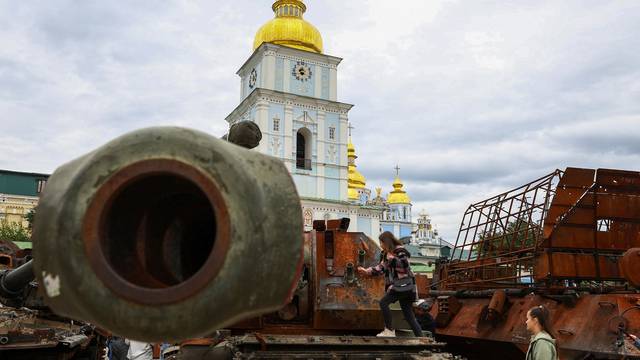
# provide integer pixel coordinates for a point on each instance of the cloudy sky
(470, 98)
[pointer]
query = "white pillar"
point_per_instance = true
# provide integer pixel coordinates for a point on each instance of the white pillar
(286, 84)
(269, 71)
(262, 115)
(287, 122)
(321, 153)
(318, 79)
(333, 84)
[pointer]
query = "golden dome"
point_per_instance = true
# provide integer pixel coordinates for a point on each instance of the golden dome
(353, 194)
(398, 195)
(288, 28)
(355, 180)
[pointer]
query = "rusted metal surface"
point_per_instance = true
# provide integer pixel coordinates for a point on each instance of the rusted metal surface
(28, 330)
(630, 266)
(331, 308)
(11, 256)
(497, 305)
(330, 296)
(570, 241)
(588, 326)
(340, 303)
(571, 225)
(498, 238)
(269, 346)
(598, 220)
(152, 234)
(29, 334)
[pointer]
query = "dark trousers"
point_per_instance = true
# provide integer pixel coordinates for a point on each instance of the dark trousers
(406, 300)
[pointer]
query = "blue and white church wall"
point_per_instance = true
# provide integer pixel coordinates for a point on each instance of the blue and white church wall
(398, 229)
(362, 219)
(399, 212)
(278, 68)
(287, 92)
(325, 126)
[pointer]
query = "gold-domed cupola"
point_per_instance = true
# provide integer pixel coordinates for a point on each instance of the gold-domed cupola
(288, 28)
(355, 179)
(398, 195)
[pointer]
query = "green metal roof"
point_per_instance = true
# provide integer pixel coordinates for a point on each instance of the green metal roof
(19, 183)
(421, 268)
(24, 244)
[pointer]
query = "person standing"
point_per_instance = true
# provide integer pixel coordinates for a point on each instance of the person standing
(543, 344)
(399, 282)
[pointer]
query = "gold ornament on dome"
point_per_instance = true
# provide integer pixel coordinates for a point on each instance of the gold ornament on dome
(288, 28)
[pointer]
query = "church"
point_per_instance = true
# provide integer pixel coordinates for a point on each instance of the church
(289, 88)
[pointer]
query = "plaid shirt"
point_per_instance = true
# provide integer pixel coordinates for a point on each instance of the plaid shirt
(393, 265)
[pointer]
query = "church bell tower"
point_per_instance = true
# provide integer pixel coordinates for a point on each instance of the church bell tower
(289, 89)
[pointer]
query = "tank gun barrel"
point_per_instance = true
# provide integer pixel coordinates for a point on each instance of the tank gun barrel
(12, 282)
(168, 233)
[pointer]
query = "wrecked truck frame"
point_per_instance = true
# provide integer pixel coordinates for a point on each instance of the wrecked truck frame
(569, 240)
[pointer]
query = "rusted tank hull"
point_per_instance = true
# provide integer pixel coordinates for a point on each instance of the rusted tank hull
(269, 346)
(589, 325)
(327, 299)
(27, 334)
(571, 240)
(330, 299)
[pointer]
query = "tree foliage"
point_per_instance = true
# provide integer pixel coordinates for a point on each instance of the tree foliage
(517, 235)
(30, 216)
(13, 231)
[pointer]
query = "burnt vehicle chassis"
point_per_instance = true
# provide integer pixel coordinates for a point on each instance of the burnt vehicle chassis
(569, 240)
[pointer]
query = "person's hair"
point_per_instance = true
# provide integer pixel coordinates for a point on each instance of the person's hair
(541, 313)
(388, 241)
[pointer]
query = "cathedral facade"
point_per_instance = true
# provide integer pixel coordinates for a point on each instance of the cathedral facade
(289, 88)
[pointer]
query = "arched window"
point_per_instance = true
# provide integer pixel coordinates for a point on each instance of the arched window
(303, 149)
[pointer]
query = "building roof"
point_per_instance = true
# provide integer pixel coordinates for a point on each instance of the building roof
(20, 183)
(24, 244)
(460, 254)
(422, 268)
(413, 250)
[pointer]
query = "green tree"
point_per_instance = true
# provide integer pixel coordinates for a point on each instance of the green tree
(13, 231)
(517, 235)
(29, 217)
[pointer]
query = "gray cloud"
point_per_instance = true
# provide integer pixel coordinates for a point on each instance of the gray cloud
(469, 98)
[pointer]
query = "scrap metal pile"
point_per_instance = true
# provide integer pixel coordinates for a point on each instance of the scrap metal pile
(301, 346)
(569, 240)
(333, 313)
(28, 329)
(166, 234)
